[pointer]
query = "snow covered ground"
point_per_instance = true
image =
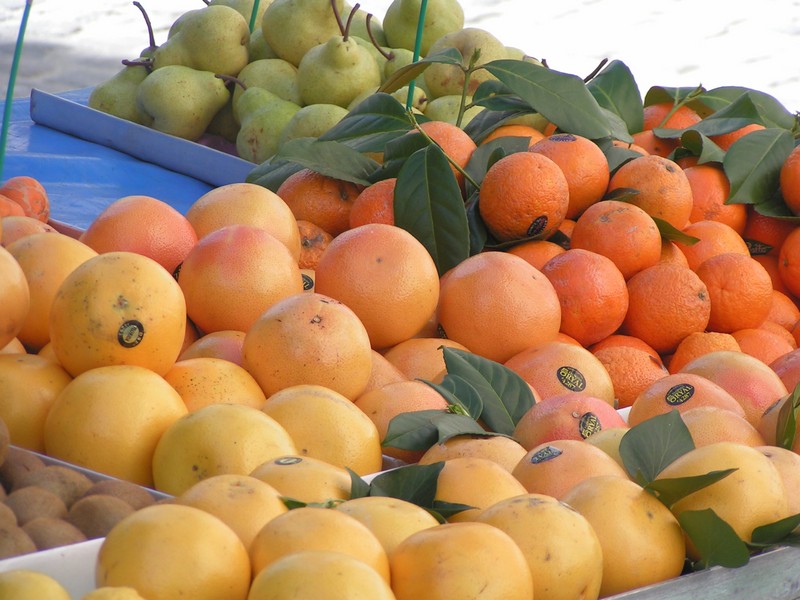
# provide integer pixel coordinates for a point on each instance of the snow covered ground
(78, 43)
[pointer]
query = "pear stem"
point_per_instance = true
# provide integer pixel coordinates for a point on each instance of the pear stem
(383, 53)
(338, 17)
(595, 71)
(12, 78)
(147, 23)
(430, 140)
(350, 21)
(231, 79)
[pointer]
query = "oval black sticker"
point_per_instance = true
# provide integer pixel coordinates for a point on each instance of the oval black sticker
(130, 333)
(571, 378)
(678, 394)
(545, 454)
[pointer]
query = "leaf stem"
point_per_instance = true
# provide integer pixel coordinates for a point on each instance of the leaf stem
(430, 140)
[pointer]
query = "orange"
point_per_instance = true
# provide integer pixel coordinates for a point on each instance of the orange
(309, 338)
(715, 238)
(591, 291)
(642, 541)
(313, 241)
(765, 234)
(750, 381)
(556, 368)
(661, 187)
(789, 262)
(13, 227)
(118, 308)
(553, 468)
(375, 204)
(629, 146)
(565, 232)
(234, 274)
(536, 252)
(563, 553)
(497, 326)
(476, 482)
(226, 344)
(514, 130)
(571, 416)
(316, 528)
(620, 339)
(664, 115)
(46, 259)
(460, 560)
(666, 302)
(386, 276)
(671, 253)
(144, 225)
(631, 370)
(381, 405)
(712, 424)
(699, 343)
(740, 291)
(681, 392)
(383, 373)
(245, 204)
(710, 190)
(420, 357)
(503, 450)
(779, 330)
(789, 181)
(322, 200)
(109, 419)
(214, 440)
(319, 574)
(621, 231)
(30, 194)
(523, 195)
(454, 141)
(726, 140)
(584, 165)
(770, 263)
(783, 310)
(305, 479)
(166, 551)
(324, 424)
(204, 380)
(29, 385)
(15, 297)
(763, 344)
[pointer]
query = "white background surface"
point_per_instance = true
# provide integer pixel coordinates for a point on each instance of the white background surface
(77, 43)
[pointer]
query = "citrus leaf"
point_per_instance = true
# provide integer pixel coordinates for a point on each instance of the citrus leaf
(413, 483)
(495, 96)
(478, 234)
(775, 533)
(358, 487)
(715, 540)
(272, 173)
(370, 125)
(458, 391)
(447, 509)
(735, 115)
(615, 89)
(404, 75)
(786, 428)
(672, 489)
(771, 112)
(658, 94)
(429, 205)
(753, 164)
(562, 98)
(648, 447)
(505, 395)
(485, 155)
(450, 425)
(333, 159)
(673, 234)
(413, 430)
(701, 146)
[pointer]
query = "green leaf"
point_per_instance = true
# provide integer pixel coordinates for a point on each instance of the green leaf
(373, 123)
(333, 159)
(404, 75)
(497, 97)
(673, 234)
(487, 121)
(753, 164)
(451, 424)
(358, 487)
(701, 146)
(680, 95)
(413, 430)
(653, 444)
(272, 173)
(615, 89)
(292, 503)
(562, 98)
(786, 428)
(414, 483)
(447, 509)
(771, 112)
(775, 533)
(429, 204)
(458, 391)
(715, 540)
(670, 490)
(505, 395)
(739, 113)
(485, 155)
(478, 234)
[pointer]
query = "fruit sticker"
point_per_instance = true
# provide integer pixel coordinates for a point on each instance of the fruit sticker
(589, 424)
(678, 394)
(571, 378)
(545, 454)
(288, 460)
(130, 333)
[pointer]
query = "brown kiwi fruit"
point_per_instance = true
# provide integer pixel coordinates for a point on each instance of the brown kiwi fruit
(96, 514)
(32, 501)
(47, 532)
(14, 541)
(17, 461)
(135, 495)
(68, 484)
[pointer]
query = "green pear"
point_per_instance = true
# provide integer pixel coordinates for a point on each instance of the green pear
(445, 108)
(292, 27)
(258, 48)
(117, 95)
(419, 99)
(518, 54)
(337, 71)
(443, 80)
(274, 74)
(244, 7)
(223, 124)
(312, 121)
(402, 16)
(214, 38)
(360, 28)
(262, 116)
(379, 54)
(181, 101)
(398, 58)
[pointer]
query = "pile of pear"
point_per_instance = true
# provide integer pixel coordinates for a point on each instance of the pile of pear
(304, 65)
